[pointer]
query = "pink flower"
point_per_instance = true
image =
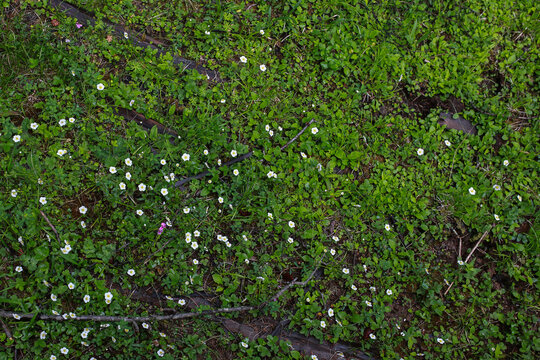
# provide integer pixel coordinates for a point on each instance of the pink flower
(161, 228)
(79, 26)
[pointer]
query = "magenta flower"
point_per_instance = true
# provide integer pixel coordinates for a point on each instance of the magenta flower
(161, 228)
(79, 26)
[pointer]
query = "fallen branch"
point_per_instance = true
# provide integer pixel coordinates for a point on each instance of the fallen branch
(297, 135)
(52, 227)
(469, 257)
(6, 330)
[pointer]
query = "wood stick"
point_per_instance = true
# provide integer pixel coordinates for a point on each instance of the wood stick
(297, 135)
(6, 330)
(52, 226)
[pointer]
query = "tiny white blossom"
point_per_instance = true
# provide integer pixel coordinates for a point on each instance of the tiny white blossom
(261, 31)
(323, 324)
(345, 271)
(83, 209)
(19, 269)
(372, 336)
(145, 325)
(128, 162)
(304, 156)
(194, 245)
(61, 152)
(207, 32)
(131, 102)
(440, 341)
(43, 335)
(16, 138)
(100, 86)
(460, 262)
(43, 200)
(234, 153)
(164, 191)
(185, 157)
(182, 302)
(195, 262)
(333, 252)
(62, 122)
(112, 170)
(243, 59)
(236, 172)
(86, 299)
(263, 67)
(205, 152)
(54, 297)
(65, 250)
(220, 200)
(387, 227)
(290, 240)
(52, 357)
(244, 344)
(142, 187)
(496, 217)
(128, 175)
(420, 151)
(186, 210)
(506, 162)
(64, 350)
(314, 130)
(122, 186)
(270, 216)
(497, 187)
(131, 272)
(34, 125)
(71, 286)
(472, 191)
(140, 212)
(291, 224)
(519, 198)
(126, 35)
(163, 162)
(196, 233)
(330, 312)
(71, 120)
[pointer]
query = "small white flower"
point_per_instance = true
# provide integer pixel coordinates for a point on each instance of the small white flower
(219, 162)
(142, 187)
(140, 212)
(108, 296)
(372, 336)
(62, 122)
(290, 240)
(71, 286)
(368, 303)
(387, 227)
(126, 35)
(460, 262)
(314, 357)
(330, 312)
(39, 181)
(182, 302)
(100, 86)
(261, 31)
(291, 224)
(54, 297)
(194, 245)
(220, 200)
(262, 67)
(34, 125)
(61, 152)
(131, 102)
(196, 233)
(43, 335)
(112, 170)
(304, 156)
(71, 120)
(163, 334)
(345, 271)
(234, 153)
(440, 341)
(65, 250)
(52, 357)
(420, 152)
(185, 157)
(333, 252)
(207, 32)
(447, 143)
(243, 59)
(186, 210)
(271, 133)
(145, 325)
(496, 217)
(86, 299)
(389, 292)
(323, 324)
(163, 162)
(246, 261)
(164, 191)
(72, 315)
(236, 172)
(128, 162)
(122, 186)
(131, 272)
(83, 209)
(506, 162)
(43, 200)
(205, 152)
(244, 344)
(497, 187)
(195, 262)
(222, 101)
(267, 127)
(128, 176)
(270, 216)
(314, 130)
(55, 312)
(16, 138)
(519, 198)
(64, 350)
(472, 191)
(83, 224)
(16, 317)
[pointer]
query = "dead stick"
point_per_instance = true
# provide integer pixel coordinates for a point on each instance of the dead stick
(297, 135)
(6, 330)
(468, 257)
(52, 226)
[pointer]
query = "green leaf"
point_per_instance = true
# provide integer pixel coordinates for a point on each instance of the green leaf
(217, 278)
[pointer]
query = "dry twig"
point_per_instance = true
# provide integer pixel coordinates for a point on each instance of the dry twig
(52, 226)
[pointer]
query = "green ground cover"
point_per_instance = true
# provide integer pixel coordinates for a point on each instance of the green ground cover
(375, 193)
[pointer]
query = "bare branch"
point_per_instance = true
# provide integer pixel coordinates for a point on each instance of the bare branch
(52, 227)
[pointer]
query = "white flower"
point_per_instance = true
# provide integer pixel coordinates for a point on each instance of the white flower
(387, 227)
(388, 292)
(66, 249)
(72, 315)
(131, 272)
(182, 302)
(222, 101)
(164, 191)
(163, 162)
(372, 336)
(16, 138)
(271, 133)
(333, 252)
(140, 212)
(197, 233)
(195, 262)
(39, 181)
(142, 187)
(233, 153)
(122, 186)
(128, 162)
(55, 312)
(304, 156)
(205, 152)
(496, 217)
(71, 286)
(194, 245)
(460, 262)
(506, 162)
(353, 287)
(270, 216)
(420, 152)
(34, 125)
(261, 31)
(314, 357)
(86, 299)
(267, 127)
(263, 67)
(185, 157)
(330, 312)
(52, 357)
(243, 59)
(43, 335)
(83, 224)
(314, 130)
(186, 210)
(323, 324)
(519, 198)
(472, 191)
(290, 240)
(220, 200)
(236, 172)
(440, 341)
(61, 152)
(62, 122)
(100, 86)
(219, 162)
(246, 261)
(54, 297)
(207, 32)
(368, 303)
(145, 325)
(163, 334)
(128, 176)
(126, 35)
(71, 120)
(108, 296)
(112, 170)
(291, 224)
(131, 102)
(497, 187)
(16, 317)
(64, 350)
(447, 143)
(345, 271)
(83, 209)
